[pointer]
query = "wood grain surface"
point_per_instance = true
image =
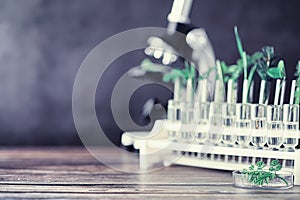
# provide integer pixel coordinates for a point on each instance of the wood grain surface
(72, 173)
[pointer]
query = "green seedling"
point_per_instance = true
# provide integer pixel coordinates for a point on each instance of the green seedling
(258, 176)
(242, 66)
(188, 72)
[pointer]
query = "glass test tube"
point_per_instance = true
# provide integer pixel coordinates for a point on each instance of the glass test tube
(215, 125)
(172, 117)
(290, 126)
(243, 124)
(201, 116)
(229, 118)
(274, 126)
(259, 125)
(187, 116)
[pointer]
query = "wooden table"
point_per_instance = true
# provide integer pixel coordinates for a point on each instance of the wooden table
(72, 173)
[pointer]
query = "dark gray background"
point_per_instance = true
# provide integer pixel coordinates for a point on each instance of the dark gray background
(43, 42)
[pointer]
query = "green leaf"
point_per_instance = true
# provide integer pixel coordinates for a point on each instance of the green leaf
(255, 57)
(172, 75)
(251, 167)
(233, 68)
(274, 73)
(268, 53)
(281, 69)
(250, 178)
(236, 74)
(240, 63)
(297, 95)
(224, 67)
(238, 41)
(226, 79)
(278, 167)
(274, 162)
(168, 77)
(265, 62)
(189, 71)
(272, 175)
(230, 72)
(260, 164)
(297, 73)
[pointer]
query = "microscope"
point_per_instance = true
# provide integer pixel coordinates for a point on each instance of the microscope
(194, 47)
(181, 42)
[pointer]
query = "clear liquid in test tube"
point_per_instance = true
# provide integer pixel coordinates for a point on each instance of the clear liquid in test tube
(274, 126)
(201, 116)
(290, 126)
(215, 123)
(258, 125)
(229, 124)
(187, 117)
(243, 124)
(172, 117)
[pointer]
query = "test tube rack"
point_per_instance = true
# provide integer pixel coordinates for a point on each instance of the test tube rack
(156, 147)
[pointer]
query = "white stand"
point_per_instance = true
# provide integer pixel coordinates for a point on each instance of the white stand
(155, 147)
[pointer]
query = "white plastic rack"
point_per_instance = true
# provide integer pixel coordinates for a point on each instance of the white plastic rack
(157, 147)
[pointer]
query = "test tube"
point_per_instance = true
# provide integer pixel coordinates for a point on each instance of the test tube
(215, 126)
(290, 126)
(172, 117)
(274, 126)
(187, 117)
(258, 125)
(228, 118)
(179, 94)
(171, 114)
(243, 124)
(201, 116)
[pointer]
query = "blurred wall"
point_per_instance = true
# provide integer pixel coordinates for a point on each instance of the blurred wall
(43, 42)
